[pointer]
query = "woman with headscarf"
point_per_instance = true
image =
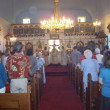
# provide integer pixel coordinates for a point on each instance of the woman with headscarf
(91, 66)
(99, 57)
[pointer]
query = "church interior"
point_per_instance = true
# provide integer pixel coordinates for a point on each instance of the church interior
(49, 26)
(23, 21)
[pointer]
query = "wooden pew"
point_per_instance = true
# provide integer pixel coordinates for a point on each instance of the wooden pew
(70, 71)
(97, 99)
(74, 77)
(34, 93)
(15, 101)
(79, 86)
(91, 93)
(23, 101)
(82, 93)
(78, 80)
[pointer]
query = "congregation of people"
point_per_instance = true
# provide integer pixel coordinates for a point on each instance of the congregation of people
(98, 65)
(16, 68)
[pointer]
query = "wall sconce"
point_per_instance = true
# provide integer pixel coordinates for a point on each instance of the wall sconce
(0, 28)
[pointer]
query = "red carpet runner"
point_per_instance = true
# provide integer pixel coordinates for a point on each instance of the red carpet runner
(59, 95)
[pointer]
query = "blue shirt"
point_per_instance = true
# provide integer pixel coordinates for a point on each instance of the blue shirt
(3, 76)
(105, 75)
(40, 62)
(89, 65)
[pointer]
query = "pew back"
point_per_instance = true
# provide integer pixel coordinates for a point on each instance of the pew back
(15, 101)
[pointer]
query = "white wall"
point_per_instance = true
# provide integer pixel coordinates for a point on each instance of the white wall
(5, 25)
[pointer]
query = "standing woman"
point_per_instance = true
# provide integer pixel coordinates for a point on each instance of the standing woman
(104, 79)
(32, 60)
(7, 54)
(41, 62)
(91, 66)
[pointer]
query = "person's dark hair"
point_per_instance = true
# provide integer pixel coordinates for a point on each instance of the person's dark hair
(12, 52)
(107, 60)
(7, 52)
(29, 52)
(75, 47)
(18, 47)
(106, 47)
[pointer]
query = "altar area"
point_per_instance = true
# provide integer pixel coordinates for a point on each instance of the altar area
(50, 44)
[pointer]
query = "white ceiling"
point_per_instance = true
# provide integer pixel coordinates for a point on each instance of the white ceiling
(17, 6)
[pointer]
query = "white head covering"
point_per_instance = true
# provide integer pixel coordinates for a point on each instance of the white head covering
(88, 53)
(97, 50)
(39, 54)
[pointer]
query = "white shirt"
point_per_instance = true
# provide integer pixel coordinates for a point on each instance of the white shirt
(99, 58)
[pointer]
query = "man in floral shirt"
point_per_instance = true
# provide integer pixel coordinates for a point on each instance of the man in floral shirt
(19, 69)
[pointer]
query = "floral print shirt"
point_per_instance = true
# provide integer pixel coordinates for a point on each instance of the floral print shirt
(17, 66)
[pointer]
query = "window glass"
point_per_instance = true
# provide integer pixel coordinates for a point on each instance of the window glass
(81, 19)
(26, 20)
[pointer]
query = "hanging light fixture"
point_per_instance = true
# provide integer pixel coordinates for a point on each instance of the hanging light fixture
(57, 23)
(0, 28)
(97, 23)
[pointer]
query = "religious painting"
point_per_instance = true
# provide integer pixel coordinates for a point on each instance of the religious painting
(80, 46)
(39, 45)
(88, 29)
(93, 29)
(31, 30)
(82, 29)
(54, 36)
(76, 29)
(25, 30)
(41, 30)
(68, 48)
(28, 46)
(20, 30)
(91, 45)
(37, 30)
(68, 45)
(15, 31)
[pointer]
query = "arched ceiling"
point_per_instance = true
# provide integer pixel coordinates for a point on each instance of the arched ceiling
(17, 6)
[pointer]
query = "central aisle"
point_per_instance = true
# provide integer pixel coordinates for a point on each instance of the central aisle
(59, 95)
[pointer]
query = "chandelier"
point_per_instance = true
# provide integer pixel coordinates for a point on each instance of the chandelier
(57, 23)
(97, 23)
